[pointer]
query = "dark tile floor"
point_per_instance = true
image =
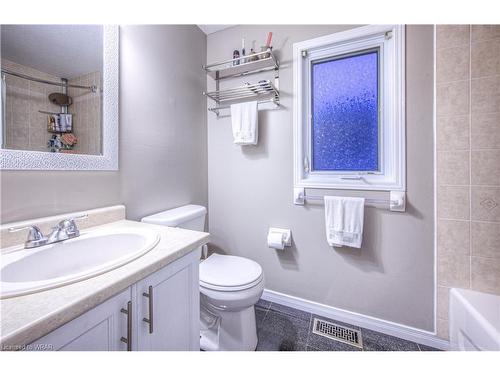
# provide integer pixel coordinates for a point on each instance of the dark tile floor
(282, 328)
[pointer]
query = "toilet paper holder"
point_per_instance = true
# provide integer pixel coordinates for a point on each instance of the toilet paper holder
(286, 235)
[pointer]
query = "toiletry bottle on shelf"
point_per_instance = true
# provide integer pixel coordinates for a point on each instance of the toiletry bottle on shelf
(236, 54)
(243, 50)
(252, 53)
(253, 58)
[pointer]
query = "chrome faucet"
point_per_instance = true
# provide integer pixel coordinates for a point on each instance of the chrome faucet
(64, 230)
(35, 236)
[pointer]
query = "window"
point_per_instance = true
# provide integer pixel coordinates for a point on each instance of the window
(344, 98)
(349, 110)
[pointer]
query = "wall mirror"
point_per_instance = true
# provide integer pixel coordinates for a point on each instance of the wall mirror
(59, 97)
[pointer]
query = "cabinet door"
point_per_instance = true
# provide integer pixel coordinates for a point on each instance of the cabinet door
(96, 330)
(169, 299)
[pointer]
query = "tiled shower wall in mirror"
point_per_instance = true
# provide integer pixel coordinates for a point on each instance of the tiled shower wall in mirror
(87, 109)
(26, 127)
(468, 161)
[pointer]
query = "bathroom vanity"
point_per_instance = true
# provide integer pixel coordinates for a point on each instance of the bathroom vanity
(149, 303)
(159, 312)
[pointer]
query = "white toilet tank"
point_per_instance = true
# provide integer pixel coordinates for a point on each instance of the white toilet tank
(190, 216)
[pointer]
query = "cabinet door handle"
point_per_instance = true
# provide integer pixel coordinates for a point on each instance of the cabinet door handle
(128, 340)
(149, 296)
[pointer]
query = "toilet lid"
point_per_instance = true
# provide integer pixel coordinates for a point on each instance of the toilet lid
(228, 271)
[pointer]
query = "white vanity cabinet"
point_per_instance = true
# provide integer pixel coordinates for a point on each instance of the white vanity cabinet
(160, 312)
(168, 308)
(98, 329)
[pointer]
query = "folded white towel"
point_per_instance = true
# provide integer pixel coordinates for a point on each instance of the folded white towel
(344, 221)
(244, 118)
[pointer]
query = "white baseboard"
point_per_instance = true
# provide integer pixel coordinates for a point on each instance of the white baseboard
(360, 320)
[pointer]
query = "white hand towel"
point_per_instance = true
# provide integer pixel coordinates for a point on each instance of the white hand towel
(344, 221)
(244, 118)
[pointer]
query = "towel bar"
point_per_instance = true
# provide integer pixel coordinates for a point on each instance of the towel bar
(217, 109)
(396, 201)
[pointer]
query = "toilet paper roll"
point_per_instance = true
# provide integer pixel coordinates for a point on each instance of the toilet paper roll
(275, 240)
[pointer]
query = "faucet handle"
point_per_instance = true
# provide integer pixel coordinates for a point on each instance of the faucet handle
(70, 225)
(35, 236)
(81, 217)
(34, 232)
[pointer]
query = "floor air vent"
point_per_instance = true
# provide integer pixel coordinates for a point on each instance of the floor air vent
(337, 332)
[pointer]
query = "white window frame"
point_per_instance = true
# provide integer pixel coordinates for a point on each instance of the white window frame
(390, 40)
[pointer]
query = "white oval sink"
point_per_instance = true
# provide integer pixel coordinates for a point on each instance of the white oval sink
(93, 253)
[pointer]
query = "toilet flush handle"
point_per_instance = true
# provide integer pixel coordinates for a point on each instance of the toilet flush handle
(204, 251)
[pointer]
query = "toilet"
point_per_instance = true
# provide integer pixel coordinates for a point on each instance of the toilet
(230, 286)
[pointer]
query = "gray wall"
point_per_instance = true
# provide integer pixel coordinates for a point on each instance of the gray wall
(250, 189)
(162, 136)
(163, 164)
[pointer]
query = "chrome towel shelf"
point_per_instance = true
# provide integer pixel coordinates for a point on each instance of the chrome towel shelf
(264, 91)
(249, 64)
(244, 92)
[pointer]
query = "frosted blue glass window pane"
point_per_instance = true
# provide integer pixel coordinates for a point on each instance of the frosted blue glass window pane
(345, 113)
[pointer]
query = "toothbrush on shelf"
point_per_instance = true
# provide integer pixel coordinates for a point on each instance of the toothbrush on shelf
(269, 38)
(243, 50)
(267, 47)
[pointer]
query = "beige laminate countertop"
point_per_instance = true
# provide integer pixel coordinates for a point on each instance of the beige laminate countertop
(26, 318)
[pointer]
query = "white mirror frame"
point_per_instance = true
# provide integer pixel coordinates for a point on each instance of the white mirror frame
(108, 160)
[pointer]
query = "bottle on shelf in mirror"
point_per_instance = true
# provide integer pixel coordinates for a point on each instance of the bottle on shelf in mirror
(243, 50)
(236, 54)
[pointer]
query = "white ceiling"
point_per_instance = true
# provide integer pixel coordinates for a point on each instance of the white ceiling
(65, 51)
(210, 29)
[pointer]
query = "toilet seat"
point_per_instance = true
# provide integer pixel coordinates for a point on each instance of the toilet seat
(229, 273)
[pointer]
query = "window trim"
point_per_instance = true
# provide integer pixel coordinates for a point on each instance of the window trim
(390, 40)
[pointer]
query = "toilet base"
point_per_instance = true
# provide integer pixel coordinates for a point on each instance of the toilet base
(235, 331)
